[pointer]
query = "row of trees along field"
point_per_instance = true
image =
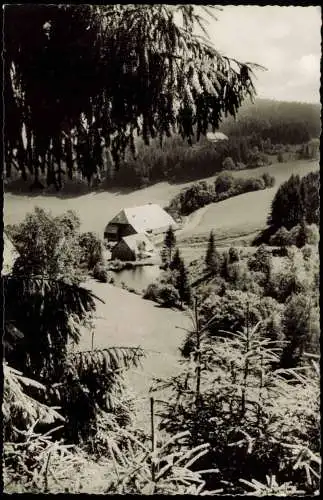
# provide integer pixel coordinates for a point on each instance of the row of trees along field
(225, 186)
(67, 419)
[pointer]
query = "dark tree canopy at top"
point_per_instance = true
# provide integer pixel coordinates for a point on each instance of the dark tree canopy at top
(83, 81)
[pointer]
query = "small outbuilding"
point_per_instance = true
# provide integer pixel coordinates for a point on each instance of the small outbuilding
(133, 247)
(150, 218)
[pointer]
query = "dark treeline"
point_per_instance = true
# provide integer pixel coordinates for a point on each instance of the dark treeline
(281, 122)
(295, 213)
(263, 133)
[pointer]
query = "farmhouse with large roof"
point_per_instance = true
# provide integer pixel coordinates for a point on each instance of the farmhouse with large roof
(148, 219)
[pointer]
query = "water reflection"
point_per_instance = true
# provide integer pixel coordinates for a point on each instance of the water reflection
(138, 278)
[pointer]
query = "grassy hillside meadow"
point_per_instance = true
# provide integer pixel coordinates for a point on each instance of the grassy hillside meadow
(127, 320)
(233, 218)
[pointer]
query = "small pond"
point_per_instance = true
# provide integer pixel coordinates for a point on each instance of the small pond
(138, 278)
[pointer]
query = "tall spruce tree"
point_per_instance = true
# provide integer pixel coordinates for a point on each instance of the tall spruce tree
(286, 208)
(176, 261)
(301, 238)
(183, 284)
(310, 195)
(170, 241)
(212, 258)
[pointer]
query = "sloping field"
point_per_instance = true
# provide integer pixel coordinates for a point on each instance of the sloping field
(242, 214)
(96, 209)
(127, 320)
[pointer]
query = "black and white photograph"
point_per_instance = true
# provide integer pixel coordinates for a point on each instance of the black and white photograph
(161, 249)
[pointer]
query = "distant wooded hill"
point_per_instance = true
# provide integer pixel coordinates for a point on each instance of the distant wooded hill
(281, 122)
(264, 132)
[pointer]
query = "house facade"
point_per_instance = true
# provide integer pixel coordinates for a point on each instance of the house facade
(133, 247)
(150, 219)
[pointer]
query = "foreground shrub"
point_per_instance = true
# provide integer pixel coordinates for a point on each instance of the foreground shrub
(301, 327)
(152, 292)
(101, 273)
(258, 421)
(168, 295)
(91, 249)
(126, 465)
(48, 245)
(234, 310)
(269, 180)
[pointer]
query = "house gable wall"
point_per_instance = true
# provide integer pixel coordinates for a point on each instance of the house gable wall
(122, 252)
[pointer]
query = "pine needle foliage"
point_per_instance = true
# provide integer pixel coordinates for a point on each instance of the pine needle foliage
(117, 72)
(19, 410)
(258, 420)
(49, 314)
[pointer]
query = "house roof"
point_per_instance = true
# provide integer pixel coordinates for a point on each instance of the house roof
(10, 254)
(139, 242)
(144, 218)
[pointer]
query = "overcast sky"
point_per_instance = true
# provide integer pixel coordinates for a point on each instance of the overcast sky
(287, 40)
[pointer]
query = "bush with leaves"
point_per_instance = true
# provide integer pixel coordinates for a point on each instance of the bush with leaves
(168, 295)
(201, 194)
(91, 249)
(269, 180)
(239, 277)
(280, 238)
(224, 182)
(152, 292)
(296, 275)
(300, 235)
(295, 200)
(248, 185)
(229, 312)
(228, 164)
(48, 245)
(101, 273)
(192, 198)
(46, 311)
(301, 328)
(261, 261)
